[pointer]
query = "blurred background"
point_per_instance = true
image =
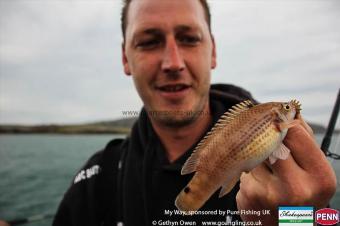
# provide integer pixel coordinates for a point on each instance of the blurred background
(60, 64)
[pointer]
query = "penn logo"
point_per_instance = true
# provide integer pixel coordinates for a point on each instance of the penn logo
(327, 216)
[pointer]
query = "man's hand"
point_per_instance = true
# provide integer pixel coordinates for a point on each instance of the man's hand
(305, 178)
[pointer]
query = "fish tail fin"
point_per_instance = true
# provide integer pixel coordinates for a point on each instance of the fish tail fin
(187, 203)
(182, 204)
(194, 195)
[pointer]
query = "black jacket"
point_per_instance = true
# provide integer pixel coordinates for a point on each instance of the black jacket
(132, 181)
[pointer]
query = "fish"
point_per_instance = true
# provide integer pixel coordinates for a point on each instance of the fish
(243, 137)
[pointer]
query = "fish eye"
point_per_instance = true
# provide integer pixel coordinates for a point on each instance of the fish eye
(186, 190)
(287, 107)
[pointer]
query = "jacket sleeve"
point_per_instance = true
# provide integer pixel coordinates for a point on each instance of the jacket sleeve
(92, 192)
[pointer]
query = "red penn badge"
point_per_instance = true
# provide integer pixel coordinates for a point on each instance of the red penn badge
(327, 216)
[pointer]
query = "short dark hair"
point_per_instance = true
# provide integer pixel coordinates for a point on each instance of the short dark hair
(126, 4)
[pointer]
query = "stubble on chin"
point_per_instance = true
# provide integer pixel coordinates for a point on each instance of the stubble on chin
(175, 119)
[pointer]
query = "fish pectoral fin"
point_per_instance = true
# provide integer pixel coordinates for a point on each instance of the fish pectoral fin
(281, 153)
(229, 185)
(272, 159)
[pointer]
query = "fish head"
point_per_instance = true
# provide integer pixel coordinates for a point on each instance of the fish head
(288, 110)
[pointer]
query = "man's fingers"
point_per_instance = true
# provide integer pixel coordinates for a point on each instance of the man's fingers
(304, 149)
(259, 176)
(305, 125)
(258, 186)
(261, 172)
(285, 169)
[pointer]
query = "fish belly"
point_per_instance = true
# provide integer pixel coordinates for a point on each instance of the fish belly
(260, 148)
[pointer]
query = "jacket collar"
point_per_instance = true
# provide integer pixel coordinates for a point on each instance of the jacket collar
(222, 97)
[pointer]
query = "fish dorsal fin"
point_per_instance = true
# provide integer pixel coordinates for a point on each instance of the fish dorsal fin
(191, 163)
(231, 114)
(237, 109)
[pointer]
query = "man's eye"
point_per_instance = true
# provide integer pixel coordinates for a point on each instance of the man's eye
(189, 40)
(148, 44)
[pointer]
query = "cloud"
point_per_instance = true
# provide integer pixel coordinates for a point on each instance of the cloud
(281, 50)
(60, 61)
(31, 29)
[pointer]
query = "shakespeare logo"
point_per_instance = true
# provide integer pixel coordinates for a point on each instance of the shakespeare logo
(296, 215)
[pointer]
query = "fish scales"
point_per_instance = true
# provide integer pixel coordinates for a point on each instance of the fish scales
(248, 137)
(246, 128)
(243, 138)
(254, 139)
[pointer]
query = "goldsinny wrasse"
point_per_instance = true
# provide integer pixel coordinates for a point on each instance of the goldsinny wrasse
(242, 138)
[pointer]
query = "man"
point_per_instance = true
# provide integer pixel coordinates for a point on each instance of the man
(169, 51)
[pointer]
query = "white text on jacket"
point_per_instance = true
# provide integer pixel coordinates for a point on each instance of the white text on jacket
(86, 173)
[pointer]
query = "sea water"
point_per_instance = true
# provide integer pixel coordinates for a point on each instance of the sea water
(36, 170)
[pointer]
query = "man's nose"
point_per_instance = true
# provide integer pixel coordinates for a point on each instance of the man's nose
(172, 58)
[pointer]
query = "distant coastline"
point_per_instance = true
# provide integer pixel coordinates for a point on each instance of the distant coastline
(120, 126)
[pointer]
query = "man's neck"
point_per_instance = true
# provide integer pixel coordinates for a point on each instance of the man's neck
(177, 140)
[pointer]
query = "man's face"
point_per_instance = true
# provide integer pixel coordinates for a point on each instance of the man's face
(169, 52)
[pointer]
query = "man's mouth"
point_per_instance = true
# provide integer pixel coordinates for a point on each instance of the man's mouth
(173, 88)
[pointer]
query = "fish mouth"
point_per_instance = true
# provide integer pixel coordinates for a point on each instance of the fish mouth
(172, 88)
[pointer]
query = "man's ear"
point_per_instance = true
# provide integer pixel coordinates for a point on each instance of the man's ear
(213, 56)
(125, 61)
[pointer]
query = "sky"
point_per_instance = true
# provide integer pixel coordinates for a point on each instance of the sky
(60, 61)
